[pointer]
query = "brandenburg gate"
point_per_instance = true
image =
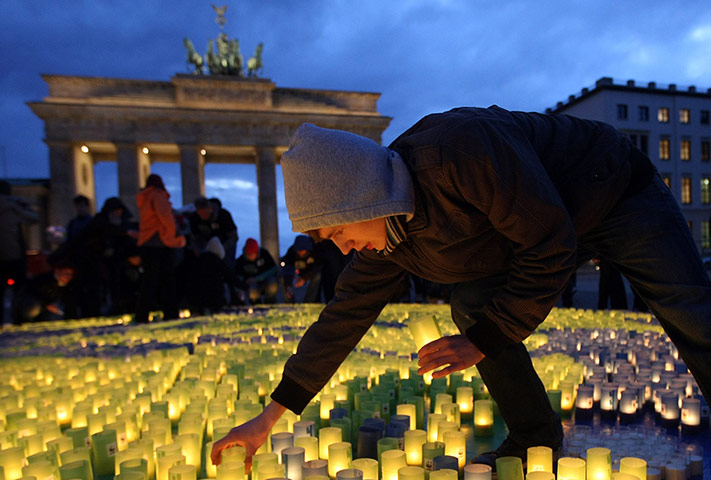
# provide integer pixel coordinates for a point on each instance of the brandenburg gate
(191, 119)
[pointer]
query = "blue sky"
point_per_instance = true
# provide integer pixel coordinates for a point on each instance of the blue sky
(423, 56)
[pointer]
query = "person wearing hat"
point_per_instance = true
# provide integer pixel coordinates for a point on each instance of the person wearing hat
(503, 206)
(211, 220)
(257, 273)
(301, 269)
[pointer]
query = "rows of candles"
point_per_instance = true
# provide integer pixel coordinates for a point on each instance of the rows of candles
(153, 409)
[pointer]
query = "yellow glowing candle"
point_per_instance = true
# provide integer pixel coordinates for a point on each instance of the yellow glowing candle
(327, 402)
(432, 424)
(327, 436)
(414, 439)
(270, 470)
(190, 448)
(599, 464)
(424, 329)
(571, 468)
(567, 398)
(310, 446)
(134, 465)
(455, 445)
(445, 474)
(339, 457)
(539, 459)
(132, 453)
(41, 469)
(540, 475)
(231, 471)
(78, 469)
(410, 410)
(369, 467)
(509, 468)
(465, 400)
(12, 460)
(634, 466)
(690, 412)
(411, 473)
(392, 461)
(165, 463)
(483, 418)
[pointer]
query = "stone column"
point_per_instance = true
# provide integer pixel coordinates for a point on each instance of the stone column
(63, 184)
(192, 172)
(129, 175)
(266, 182)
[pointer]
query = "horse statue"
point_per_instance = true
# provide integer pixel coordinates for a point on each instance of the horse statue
(194, 58)
(254, 64)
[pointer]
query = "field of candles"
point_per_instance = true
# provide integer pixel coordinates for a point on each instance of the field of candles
(103, 398)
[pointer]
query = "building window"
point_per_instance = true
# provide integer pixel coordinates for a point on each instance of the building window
(664, 148)
(685, 149)
(643, 113)
(663, 115)
(705, 235)
(706, 190)
(684, 115)
(705, 150)
(686, 190)
(621, 111)
(704, 117)
(667, 180)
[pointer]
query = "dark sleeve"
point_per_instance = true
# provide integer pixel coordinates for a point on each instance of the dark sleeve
(505, 180)
(362, 291)
(227, 225)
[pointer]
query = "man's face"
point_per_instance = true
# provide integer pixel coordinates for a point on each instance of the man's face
(251, 256)
(368, 235)
(204, 212)
(64, 276)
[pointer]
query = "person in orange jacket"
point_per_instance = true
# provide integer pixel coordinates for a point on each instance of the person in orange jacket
(158, 241)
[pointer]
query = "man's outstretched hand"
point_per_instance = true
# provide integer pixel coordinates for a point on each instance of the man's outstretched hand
(454, 353)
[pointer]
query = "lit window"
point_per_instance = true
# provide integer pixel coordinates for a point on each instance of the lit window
(643, 113)
(686, 149)
(686, 190)
(705, 235)
(704, 117)
(705, 150)
(667, 180)
(684, 115)
(663, 115)
(706, 190)
(664, 149)
(621, 111)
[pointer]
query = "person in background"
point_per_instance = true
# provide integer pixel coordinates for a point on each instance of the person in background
(47, 296)
(504, 206)
(301, 268)
(333, 261)
(256, 274)
(77, 224)
(158, 241)
(611, 288)
(14, 213)
(210, 220)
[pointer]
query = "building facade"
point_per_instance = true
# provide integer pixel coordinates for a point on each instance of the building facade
(191, 120)
(669, 124)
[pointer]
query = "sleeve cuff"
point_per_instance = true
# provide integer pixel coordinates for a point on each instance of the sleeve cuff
(291, 395)
(488, 338)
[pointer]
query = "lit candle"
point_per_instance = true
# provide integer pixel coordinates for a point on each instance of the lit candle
(41, 469)
(411, 473)
(349, 474)
(430, 450)
(444, 474)
(12, 460)
(465, 400)
(280, 441)
(339, 457)
(599, 463)
(391, 462)
(634, 466)
(327, 436)
(165, 463)
(477, 471)
(540, 475)
(424, 329)
(231, 471)
(670, 409)
(304, 428)
(539, 459)
(104, 448)
(292, 458)
(269, 470)
(410, 411)
(312, 468)
(483, 418)
(690, 414)
(326, 401)
(455, 445)
(567, 390)
(432, 425)
(182, 472)
(369, 467)
(78, 469)
(134, 465)
(414, 439)
(310, 446)
(571, 468)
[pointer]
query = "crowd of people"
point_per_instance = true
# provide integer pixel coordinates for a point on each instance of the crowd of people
(163, 259)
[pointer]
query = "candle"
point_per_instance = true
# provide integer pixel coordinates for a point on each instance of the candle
(411, 473)
(483, 418)
(280, 441)
(268, 470)
(433, 424)
(634, 466)
(455, 445)
(327, 436)
(292, 458)
(231, 471)
(165, 463)
(12, 460)
(79, 469)
(104, 448)
(391, 462)
(571, 468)
(182, 472)
(414, 439)
(349, 474)
(310, 446)
(326, 402)
(430, 450)
(444, 474)
(540, 475)
(312, 468)
(369, 467)
(339, 457)
(690, 414)
(670, 409)
(41, 470)
(477, 471)
(424, 329)
(445, 462)
(539, 459)
(134, 465)
(465, 400)
(409, 410)
(599, 463)
(567, 397)
(304, 428)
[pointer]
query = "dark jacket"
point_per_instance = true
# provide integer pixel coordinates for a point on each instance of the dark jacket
(497, 193)
(259, 270)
